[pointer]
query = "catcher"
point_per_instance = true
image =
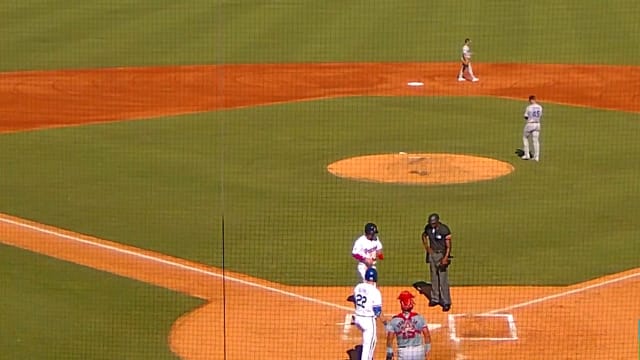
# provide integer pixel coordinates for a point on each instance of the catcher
(410, 330)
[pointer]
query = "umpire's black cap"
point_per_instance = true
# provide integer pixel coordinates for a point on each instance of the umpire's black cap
(434, 219)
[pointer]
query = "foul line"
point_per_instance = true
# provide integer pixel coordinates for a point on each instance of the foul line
(175, 264)
(564, 293)
(288, 293)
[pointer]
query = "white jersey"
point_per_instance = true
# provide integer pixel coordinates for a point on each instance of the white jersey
(366, 248)
(466, 52)
(533, 113)
(367, 296)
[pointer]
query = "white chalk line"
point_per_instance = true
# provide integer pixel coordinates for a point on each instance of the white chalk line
(510, 319)
(175, 264)
(564, 293)
(191, 268)
(284, 292)
(451, 319)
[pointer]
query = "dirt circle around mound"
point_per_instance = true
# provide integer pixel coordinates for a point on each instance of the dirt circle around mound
(45, 99)
(420, 168)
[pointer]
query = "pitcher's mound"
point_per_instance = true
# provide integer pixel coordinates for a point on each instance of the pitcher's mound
(403, 168)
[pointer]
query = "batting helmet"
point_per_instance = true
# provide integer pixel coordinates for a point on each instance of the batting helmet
(371, 275)
(434, 218)
(406, 300)
(370, 228)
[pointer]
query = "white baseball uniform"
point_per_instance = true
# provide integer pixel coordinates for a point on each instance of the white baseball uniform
(368, 304)
(466, 63)
(364, 248)
(532, 116)
(466, 52)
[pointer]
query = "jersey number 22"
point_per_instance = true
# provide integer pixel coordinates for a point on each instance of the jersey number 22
(361, 300)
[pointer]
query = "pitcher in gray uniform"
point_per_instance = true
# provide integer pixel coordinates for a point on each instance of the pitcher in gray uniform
(436, 239)
(410, 331)
(532, 118)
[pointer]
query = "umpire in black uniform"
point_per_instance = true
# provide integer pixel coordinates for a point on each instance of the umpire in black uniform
(436, 239)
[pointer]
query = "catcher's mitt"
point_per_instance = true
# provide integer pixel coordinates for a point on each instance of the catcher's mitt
(423, 288)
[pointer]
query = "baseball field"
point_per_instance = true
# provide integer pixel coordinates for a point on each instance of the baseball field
(185, 180)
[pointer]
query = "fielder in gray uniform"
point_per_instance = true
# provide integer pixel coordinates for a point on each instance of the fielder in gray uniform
(532, 117)
(410, 331)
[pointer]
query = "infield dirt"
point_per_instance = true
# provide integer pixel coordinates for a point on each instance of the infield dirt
(551, 322)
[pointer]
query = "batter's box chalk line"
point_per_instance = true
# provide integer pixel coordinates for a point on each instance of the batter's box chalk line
(453, 335)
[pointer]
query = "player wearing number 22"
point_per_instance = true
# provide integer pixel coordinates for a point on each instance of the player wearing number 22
(368, 304)
(410, 330)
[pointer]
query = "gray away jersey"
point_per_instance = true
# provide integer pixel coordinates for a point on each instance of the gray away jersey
(408, 329)
(533, 113)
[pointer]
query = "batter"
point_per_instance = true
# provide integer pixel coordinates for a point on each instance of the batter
(368, 305)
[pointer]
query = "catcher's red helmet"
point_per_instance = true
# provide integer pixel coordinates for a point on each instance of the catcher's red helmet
(406, 300)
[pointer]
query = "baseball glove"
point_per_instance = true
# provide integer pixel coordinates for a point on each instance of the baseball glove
(520, 153)
(355, 353)
(423, 288)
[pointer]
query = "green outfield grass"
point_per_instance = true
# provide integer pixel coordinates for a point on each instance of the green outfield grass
(165, 184)
(39, 34)
(56, 310)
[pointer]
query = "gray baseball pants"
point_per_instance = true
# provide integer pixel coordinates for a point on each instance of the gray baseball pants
(439, 280)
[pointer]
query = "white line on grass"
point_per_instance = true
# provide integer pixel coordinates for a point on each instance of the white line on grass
(175, 264)
(288, 293)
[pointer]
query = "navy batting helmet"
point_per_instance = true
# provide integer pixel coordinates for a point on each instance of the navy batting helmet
(434, 218)
(370, 228)
(371, 274)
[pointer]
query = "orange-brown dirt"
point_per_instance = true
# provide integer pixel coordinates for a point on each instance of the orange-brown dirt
(593, 320)
(424, 169)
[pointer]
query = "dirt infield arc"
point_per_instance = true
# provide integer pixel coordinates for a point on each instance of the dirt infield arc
(549, 320)
(580, 326)
(38, 99)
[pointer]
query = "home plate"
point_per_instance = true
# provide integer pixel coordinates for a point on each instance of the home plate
(415, 83)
